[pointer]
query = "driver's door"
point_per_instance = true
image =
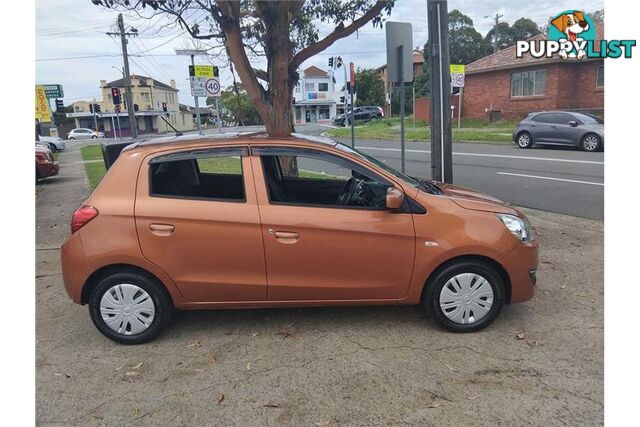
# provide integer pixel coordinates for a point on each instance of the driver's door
(317, 249)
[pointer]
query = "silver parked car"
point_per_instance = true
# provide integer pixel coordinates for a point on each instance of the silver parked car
(54, 143)
(84, 133)
(560, 128)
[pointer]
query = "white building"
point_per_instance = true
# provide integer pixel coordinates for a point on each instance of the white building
(315, 97)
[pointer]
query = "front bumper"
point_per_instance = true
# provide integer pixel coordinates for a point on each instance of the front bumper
(521, 264)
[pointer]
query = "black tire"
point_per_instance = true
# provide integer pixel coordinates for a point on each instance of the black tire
(94, 137)
(163, 306)
(53, 148)
(37, 175)
(431, 296)
(524, 140)
(71, 138)
(590, 143)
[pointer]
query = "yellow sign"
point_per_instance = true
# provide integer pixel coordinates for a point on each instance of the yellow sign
(456, 68)
(43, 110)
(203, 71)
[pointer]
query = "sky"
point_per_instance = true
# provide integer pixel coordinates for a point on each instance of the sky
(68, 29)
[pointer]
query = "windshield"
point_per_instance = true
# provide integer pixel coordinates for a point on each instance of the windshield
(377, 162)
(589, 119)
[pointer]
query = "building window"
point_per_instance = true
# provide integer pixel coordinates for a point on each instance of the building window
(298, 113)
(528, 83)
(309, 87)
(298, 87)
(323, 87)
(145, 97)
(323, 112)
(600, 76)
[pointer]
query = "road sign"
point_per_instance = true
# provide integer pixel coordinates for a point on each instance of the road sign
(399, 34)
(457, 75)
(213, 86)
(43, 110)
(199, 77)
(53, 91)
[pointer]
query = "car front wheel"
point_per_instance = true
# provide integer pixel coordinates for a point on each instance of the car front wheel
(130, 307)
(53, 148)
(94, 137)
(524, 140)
(72, 138)
(465, 296)
(590, 142)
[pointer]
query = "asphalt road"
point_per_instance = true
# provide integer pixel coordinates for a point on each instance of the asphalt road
(557, 180)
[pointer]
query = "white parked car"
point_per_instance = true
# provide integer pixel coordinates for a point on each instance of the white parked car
(54, 143)
(84, 133)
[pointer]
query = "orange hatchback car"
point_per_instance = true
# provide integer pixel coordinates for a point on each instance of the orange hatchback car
(248, 222)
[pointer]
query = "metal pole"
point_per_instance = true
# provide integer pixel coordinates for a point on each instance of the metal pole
(353, 123)
(217, 99)
(133, 125)
(113, 128)
(195, 99)
(401, 72)
(459, 105)
(119, 128)
(413, 90)
(344, 67)
(95, 118)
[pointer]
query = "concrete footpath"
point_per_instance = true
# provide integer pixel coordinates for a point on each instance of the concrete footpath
(540, 362)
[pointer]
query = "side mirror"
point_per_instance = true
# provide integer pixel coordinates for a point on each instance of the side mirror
(573, 123)
(395, 198)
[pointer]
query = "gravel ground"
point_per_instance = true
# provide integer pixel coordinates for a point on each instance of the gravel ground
(541, 362)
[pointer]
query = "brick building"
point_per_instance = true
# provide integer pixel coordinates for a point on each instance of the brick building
(501, 85)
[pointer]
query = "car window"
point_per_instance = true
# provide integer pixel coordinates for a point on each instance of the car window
(589, 119)
(204, 174)
(313, 178)
(562, 118)
(543, 118)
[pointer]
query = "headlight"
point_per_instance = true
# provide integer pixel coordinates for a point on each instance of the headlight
(518, 226)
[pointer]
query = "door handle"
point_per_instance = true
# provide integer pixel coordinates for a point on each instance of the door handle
(287, 237)
(162, 229)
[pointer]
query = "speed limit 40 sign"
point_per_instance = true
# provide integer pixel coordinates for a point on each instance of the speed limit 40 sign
(212, 86)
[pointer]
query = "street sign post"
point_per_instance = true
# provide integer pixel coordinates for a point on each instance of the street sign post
(53, 91)
(457, 80)
(400, 67)
(352, 89)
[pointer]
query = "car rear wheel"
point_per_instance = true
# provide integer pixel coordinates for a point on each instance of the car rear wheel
(524, 140)
(71, 137)
(465, 296)
(53, 148)
(590, 142)
(94, 137)
(130, 308)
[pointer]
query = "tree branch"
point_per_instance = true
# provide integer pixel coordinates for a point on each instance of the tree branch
(339, 32)
(261, 74)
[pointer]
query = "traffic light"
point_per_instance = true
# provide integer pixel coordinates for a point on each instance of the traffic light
(331, 62)
(59, 105)
(91, 108)
(338, 62)
(97, 108)
(115, 95)
(343, 99)
(164, 106)
(136, 108)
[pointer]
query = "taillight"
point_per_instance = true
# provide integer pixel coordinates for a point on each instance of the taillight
(81, 216)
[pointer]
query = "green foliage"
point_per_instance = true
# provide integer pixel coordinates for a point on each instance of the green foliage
(370, 87)
(238, 107)
(508, 35)
(465, 43)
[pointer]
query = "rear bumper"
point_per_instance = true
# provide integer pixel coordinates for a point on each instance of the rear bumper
(46, 169)
(73, 271)
(521, 264)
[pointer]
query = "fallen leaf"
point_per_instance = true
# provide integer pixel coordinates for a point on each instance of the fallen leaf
(474, 397)
(67, 375)
(532, 343)
(221, 398)
(520, 335)
(132, 373)
(211, 359)
(248, 365)
(271, 404)
(228, 332)
(120, 367)
(546, 292)
(285, 331)
(195, 344)
(432, 405)
(323, 423)
(57, 374)
(138, 366)
(255, 334)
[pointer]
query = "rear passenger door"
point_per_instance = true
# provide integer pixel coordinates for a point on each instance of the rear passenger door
(197, 219)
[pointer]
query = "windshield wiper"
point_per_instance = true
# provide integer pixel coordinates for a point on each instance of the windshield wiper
(428, 186)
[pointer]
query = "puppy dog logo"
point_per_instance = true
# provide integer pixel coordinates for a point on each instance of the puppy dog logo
(572, 28)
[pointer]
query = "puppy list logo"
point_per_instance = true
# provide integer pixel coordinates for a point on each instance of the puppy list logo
(572, 34)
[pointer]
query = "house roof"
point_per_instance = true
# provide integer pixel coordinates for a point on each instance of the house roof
(417, 58)
(506, 58)
(314, 71)
(144, 81)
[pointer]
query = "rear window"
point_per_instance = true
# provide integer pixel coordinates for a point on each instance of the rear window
(197, 175)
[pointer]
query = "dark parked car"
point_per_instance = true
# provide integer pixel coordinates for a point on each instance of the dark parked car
(45, 165)
(561, 128)
(359, 114)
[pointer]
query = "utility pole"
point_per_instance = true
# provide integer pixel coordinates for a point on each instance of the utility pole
(496, 20)
(133, 125)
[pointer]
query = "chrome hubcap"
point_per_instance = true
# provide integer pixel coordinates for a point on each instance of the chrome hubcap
(523, 140)
(466, 298)
(590, 143)
(127, 309)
